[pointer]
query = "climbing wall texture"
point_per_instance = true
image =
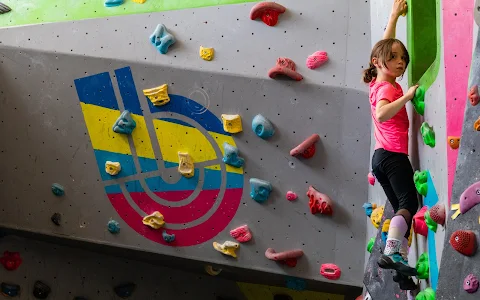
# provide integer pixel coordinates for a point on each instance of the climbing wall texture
(64, 85)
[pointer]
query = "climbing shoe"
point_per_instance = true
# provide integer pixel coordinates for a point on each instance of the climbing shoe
(406, 283)
(396, 262)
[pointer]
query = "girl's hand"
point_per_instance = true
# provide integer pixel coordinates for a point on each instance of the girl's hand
(411, 92)
(399, 8)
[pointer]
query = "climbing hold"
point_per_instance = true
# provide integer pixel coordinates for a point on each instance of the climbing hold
(4, 8)
(317, 59)
(58, 189)
(212, 270)
(10, 290)
(232, 123)
(291, 196)
(318, 202)
(420, 179)
(430, 222)
(297, 284)
(427, 294)
(41, 290)
(125, 123)
(154, 220)
(139, 1)
(124, 290)
(158, 95)
(241, 234)
(428, 134)
(370, 244)
(419, 224)
(470, 197)
(410, 238)
(267, 11)
(112, 3)
(11, 260)
(287, 257)
(422, 266)
(56, 218)
(227, 248)
(418, 100)
(206, 53)
(470, 284)
(307, 147)
(169, 238)
(185, 165)
(371, 178)
(376, 216)
(476, 125)
(112, 168)
(230, 156)
(262, 127)
(437, 213)
(454, 142)
(285, 66)
(113, 226)
(330, 271)
(385, 227)
(162, 39)
(473, 95)
(260, 189)
(369, 207)
(464, 241)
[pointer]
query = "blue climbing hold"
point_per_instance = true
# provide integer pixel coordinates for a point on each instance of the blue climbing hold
(125, 123)
(11, 290)
(295, 283)
(231, 157)
(384, 236)
(112, 3)
(368, 207)
(58, 189)
(260, 189)
(113, 226)
(124, 290)
(262, 127)
(162, 39)
(168, 237)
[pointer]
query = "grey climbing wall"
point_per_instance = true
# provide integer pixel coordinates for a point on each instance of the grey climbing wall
(50, 142)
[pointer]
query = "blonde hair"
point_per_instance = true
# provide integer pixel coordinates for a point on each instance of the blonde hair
(383, 52)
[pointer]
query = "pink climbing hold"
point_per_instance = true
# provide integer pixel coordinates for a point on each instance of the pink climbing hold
(470, 197)
(268, 11)
(419, 224)
(241, 234)
(470, 284)
(437, 213)
(371, 178)
(285, 66)
(291, 196)
(287, 257)
(473, 95)
(330, 271)
(317, 59)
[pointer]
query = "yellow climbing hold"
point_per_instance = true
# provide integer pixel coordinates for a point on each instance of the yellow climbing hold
(376, 216)
(206, 53)
(112, 168)
(185, 165)
(386, 225)
(410, 238)
(232, 123)
(154, 220)
(227, 248)
(212, 270)
(139, 1)
(158, 95)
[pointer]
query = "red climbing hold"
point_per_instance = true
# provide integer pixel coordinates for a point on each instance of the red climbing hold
(241, 234)
(285, 66)
(473, 95)
(437, 213)
(419, 224)
(371, 178)
(307, 147)
(268, 11)
(330, 271)
(318, 202)
(287, 257)
(464, 241)
(11, 260)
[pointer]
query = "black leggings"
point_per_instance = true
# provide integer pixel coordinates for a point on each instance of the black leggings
(395, 174)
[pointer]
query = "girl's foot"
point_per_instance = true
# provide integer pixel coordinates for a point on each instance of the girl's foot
(406, 283)
(396, 262)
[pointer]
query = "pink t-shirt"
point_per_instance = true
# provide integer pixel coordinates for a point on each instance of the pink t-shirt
(391, 135)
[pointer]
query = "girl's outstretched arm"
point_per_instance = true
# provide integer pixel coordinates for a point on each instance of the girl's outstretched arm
(399, 8)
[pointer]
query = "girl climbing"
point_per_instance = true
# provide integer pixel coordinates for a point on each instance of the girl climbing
(390, 164)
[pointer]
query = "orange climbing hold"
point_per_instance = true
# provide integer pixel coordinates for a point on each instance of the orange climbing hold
(268, 11)
(473, 95)
(476, 125)
(454, 142)
(287, 257)
(307, 147)
(318, 202)
(331, 271)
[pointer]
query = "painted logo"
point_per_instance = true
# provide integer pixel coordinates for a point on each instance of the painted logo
(195, 209)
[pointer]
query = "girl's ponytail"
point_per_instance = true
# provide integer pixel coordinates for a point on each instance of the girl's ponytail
(370, 73)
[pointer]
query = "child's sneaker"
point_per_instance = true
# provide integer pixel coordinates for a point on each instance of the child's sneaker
(406, 283)
(396, 262)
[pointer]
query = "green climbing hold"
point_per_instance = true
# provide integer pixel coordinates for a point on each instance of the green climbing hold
(422, 266)
(420, 179)
(431, 224)
(426, 294)
(418, 100)
(370, 244)
(428, 134)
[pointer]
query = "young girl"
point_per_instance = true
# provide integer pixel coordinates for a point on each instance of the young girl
(390, 164)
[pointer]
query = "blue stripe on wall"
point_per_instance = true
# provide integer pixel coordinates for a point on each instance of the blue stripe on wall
(128, 90)
(97, 90)
(147, 164)
(126, 162)
(113, 189)
(430, 200)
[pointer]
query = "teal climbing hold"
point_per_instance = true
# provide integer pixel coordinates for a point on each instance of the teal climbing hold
(260, 189)
(10, 290)
(231, 157)
(113, 226)
(168, 237)
(262, 127)
(125, 123)
(113, 3)
(418, 100)
(162, 39)
(58, 189)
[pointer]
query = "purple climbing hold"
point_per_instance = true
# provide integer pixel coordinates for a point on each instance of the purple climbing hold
(470, 284)
(470, 197)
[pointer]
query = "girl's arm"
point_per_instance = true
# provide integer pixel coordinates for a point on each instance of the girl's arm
(399, 8)
(385, 110)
